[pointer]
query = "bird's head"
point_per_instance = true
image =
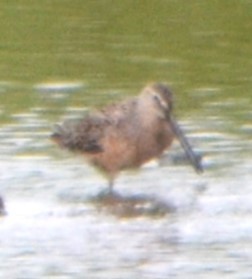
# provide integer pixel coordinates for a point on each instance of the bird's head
(162, 98)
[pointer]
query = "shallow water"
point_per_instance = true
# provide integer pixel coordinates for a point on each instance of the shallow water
(58, 67)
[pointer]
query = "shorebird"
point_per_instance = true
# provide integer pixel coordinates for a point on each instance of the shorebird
(127, 134)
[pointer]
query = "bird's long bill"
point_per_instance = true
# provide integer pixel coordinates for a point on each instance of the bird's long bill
(192, 157)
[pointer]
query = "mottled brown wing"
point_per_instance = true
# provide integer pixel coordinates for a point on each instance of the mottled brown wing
(82, 135)
(87, 134)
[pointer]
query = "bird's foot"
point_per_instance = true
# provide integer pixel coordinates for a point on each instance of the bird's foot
(108, 196)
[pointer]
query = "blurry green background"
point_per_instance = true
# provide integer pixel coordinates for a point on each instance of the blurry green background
(119, 46)
(108, 49)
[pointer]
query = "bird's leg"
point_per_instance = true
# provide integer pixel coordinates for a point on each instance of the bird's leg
(110, 186)
(108, 193)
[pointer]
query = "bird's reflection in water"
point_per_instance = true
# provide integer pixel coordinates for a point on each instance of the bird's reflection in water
(130, 206)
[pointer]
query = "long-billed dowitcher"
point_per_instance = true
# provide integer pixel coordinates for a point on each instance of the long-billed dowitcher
(127, 134)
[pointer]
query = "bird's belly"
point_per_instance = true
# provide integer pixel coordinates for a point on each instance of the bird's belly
(150, 151)
(119, 154)
(116, 155)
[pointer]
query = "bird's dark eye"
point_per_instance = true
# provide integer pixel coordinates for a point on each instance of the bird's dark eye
(157, 99)
(161, 103)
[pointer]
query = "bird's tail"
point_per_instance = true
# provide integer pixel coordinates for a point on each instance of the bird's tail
(58, 134)
(64, 134)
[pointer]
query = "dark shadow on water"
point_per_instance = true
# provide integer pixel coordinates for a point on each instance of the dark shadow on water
(130, 206)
